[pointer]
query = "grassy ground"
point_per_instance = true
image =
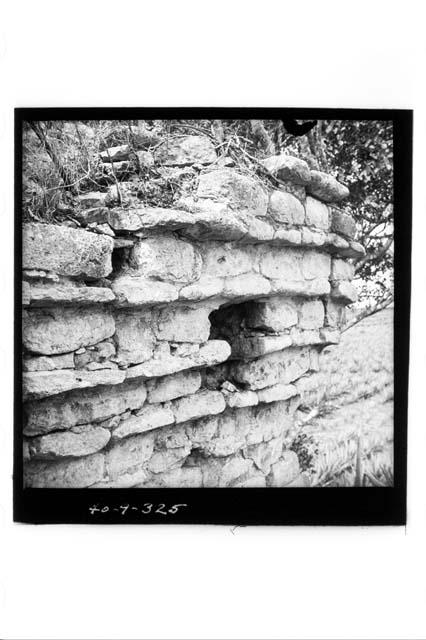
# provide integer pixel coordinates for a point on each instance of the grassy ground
(347, 418)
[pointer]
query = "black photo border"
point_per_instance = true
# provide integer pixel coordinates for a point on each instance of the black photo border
(249, 506)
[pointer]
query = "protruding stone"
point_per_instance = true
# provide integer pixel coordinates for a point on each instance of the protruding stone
(341, 270)
(276, 392)
(288, 168)
(248, 347)
(273, 314)
(186, 150)
(325, 187)
(242, 193)
(343, 224)
(68, 252)
(167, 259)
(148, 418)
(317, 214)
(344, 291)
(200, 404)
(43, 294)
(40, 384)
(285, 208)
(64, 474)
(278, 367)
(49, 363)
(134, 336)
(311, 315)
(174, 386)
(183, 324)
(129, 454)
(78, 441)
(138, 291)
(82, 407)
(59, 330)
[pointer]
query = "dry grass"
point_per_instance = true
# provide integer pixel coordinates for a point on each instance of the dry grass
(349, 411)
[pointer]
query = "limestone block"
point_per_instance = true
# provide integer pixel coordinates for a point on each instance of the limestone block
(335, 314)
(285, 208)
(62, 329)
(341, 270)
(226, 472)
(82, 407)
(229, 436)
(185, 150)
(99, 353)
(305, 337)
(284, 471)
(67, 251)
(115, 154)
(241, 399)
(152, 218)
(148, 418)
(78, 441)
(173, 437)
(273, 314)
(199, 404)
(206, 287)
(40, 384)
(277, 392)
(213, 352)
(268, 421)
(265, 454)
(49, 363)
(317, 214)
(287, 237)
(213, 220)
(281, 366)
(167, 259)
(313, 237)
(64, 474)
(246, 286)
(255, 346)
(315, 265)
(326, 187)
(288, 168)
(225, 259)
(311, 315)
(280, 262)
(174, 386)
(129, 454)
(168, 459)
(343, 224)
(242, 193)
(183, 324)
(345, 291)
(202, 431)
(42, 294)
(258, 230)
(125, 219)
(134, 337)
(137, 291)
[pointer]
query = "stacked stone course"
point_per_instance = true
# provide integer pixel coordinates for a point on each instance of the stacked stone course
(169, 347)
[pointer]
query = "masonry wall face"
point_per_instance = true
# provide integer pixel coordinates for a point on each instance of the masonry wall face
(170, 347)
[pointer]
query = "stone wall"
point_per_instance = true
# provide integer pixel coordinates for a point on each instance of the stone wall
(171, 346)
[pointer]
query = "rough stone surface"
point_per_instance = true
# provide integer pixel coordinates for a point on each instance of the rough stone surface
(167, 259)
(326, 188)
(133, 336)
(317, 214)
(186, 150)
(274, 314)
(183, 324)
(78, 441)
(343, 224)
(49, 363)
(68, 252)
(172, 387)
(129, 454)
(64, 474)
(197, 405)
(281, 366)
(285, 208)
(148, 418)
(344, 291)
(239, 191)
(60, 330)
(40, 384)
(311, 315)
(288, 168)
(42, 294)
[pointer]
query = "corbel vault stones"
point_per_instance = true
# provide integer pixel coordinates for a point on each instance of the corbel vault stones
(167, 346)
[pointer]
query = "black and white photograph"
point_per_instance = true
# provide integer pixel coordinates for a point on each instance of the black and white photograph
(207, 303)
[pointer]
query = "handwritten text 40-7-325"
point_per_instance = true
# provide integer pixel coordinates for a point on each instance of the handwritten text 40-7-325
(144, 509)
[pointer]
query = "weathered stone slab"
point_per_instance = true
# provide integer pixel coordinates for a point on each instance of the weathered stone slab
(288, 168)
(49, 363)
(223, 259)
(241, 399)
(64, 474)
(325, 187)
(240, 192)
(137, 291)
(285, 208)
(82, 407)
(343, 224)
(280, 262)
(167, 259)
(200, 404)
(344, 291)
(284, 471)
(246, 286)
(317, 214)
(134, 336)
(213, 220)
(99, 353)
(206, 287)
(315, 265)
(47, 294)
(335, 314)
(280, 366)
(40, 384)
(341, 270)
(148, 418)
(186, 150)
(172, 387)
(213, 352)
(183, 324)
(129, 454)
(78, 441)
(311, 315)
(60, 330)
(273, 314)
(68, 252)
(287, 237)
(277, 392)
(248, 347)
